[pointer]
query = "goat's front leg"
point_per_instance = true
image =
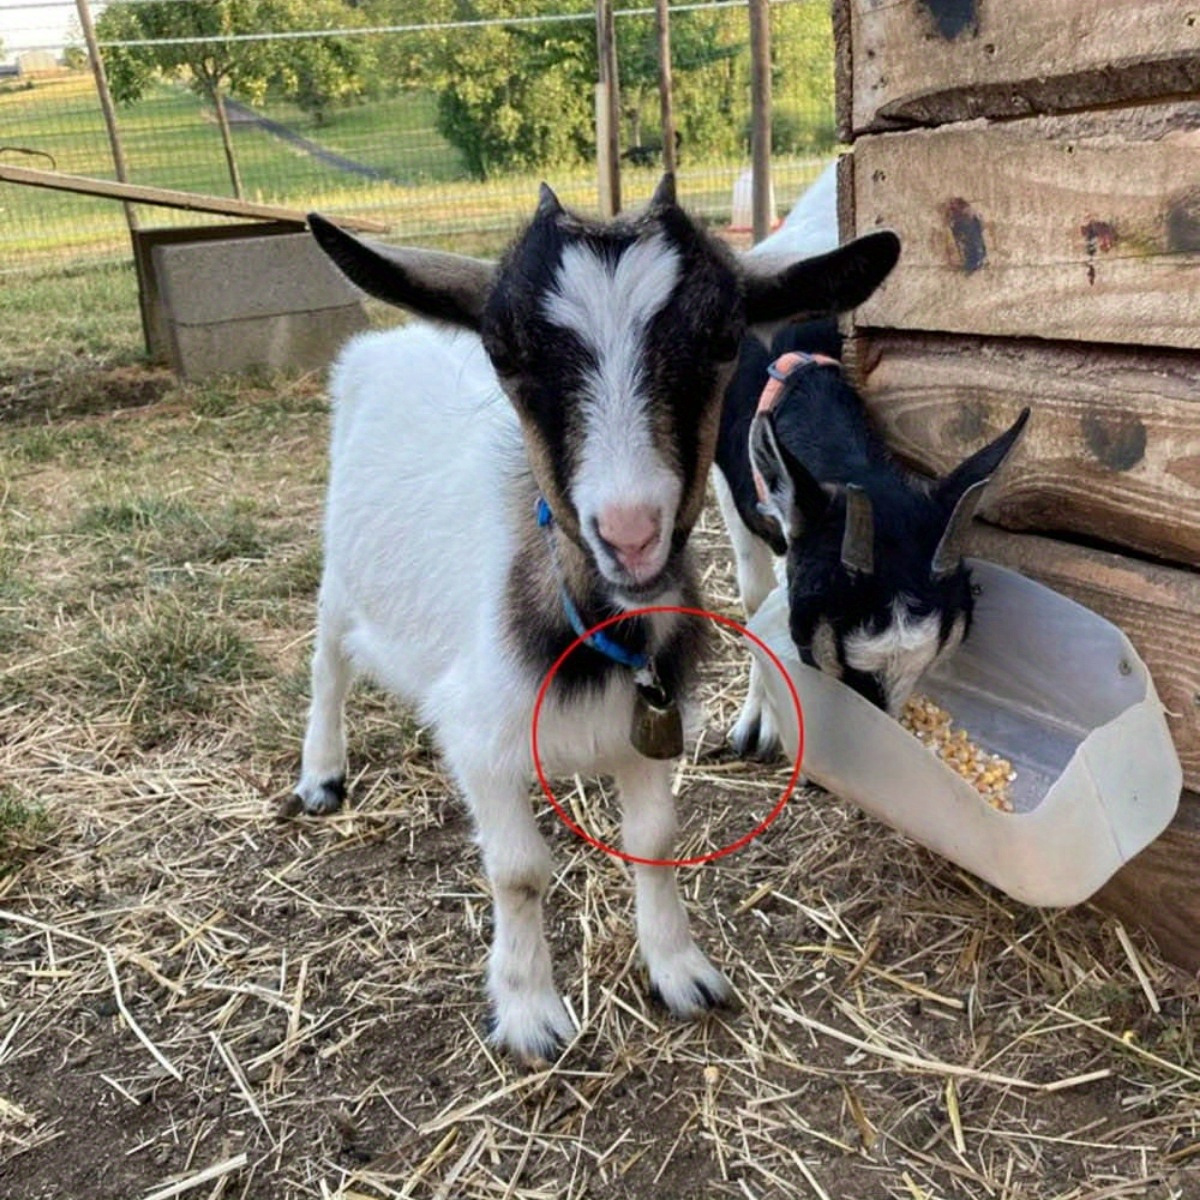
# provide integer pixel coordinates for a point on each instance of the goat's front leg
(322, 786)
(528, 1016)
(680, 975)
(754, 731)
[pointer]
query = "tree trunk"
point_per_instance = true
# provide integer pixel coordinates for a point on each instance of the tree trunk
(226, 138)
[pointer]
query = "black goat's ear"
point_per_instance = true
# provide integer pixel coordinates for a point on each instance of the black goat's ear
(819, 286)
(962, 490)
(791, 497)
(983, 464)
(432, 283)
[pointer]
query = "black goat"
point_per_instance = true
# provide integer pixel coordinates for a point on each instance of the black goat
(877, 589)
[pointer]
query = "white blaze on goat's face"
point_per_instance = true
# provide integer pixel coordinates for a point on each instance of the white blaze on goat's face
(625, 489)
(899, 655)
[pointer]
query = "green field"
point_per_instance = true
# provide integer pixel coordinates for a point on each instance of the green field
(171, 140)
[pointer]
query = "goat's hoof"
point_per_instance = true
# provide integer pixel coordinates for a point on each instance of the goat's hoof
(689, 985)
(754, 734)
(534, 1032)
(321, 797)
(743, 737)
(755, 738)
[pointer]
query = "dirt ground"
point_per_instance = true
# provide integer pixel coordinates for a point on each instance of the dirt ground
(198, 999)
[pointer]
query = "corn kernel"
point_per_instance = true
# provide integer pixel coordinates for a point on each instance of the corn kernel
(988, 773)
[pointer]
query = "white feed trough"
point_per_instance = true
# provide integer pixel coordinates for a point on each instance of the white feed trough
(1042, 681)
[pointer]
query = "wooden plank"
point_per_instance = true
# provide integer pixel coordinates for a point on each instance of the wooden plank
(936, 61)
(1157, 607)
(1112, 451)
(1159, 890)
(1084, 227)
(169, 198)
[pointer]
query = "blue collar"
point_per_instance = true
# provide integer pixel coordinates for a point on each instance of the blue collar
(635, 660)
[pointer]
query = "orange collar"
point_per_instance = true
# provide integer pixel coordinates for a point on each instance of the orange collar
(779, 372)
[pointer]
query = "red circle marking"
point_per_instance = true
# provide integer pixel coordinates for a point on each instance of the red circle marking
(697, 859)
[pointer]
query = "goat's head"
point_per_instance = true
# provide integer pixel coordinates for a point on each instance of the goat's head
(614, 342)
(877, 588)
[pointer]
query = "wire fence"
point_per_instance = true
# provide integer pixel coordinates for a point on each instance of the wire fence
(398, 110)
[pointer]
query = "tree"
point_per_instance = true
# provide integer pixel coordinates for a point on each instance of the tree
(704, 47)
(513, 96)
(315, 72)
(518, 96)
(802, 79)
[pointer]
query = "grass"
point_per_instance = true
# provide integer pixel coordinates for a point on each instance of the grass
(168, 532)
(24, 828)
(56, 318)
(397, 135)
(166, 666)
(171, 141)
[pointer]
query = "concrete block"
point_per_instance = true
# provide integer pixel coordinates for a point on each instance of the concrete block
(246, 302)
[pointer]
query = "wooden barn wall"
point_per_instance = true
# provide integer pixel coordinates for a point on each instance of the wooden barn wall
(1113, 455)
(1040, 160)
(1082, 227)
(929, 62)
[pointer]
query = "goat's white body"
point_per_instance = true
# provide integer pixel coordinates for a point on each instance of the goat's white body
(400, 533)
(427, 467)
(610, 340)
(811, 227)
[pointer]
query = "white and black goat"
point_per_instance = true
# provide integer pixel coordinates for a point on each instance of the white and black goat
(584, 382)
(877, 588)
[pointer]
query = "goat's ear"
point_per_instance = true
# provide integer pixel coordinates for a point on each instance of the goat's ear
(792, 499)
(548, 208)
(664, 194)
(983, 464)
(818, 286)
(432, 283)
(962, 490)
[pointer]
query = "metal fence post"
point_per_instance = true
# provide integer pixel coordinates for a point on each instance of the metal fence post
(106, 104)
(608, 112)
(760, 101)
(663, 29)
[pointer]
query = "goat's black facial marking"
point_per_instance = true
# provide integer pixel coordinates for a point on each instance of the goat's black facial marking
(870, 686)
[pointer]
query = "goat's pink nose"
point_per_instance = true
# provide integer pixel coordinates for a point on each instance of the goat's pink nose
(631, 530)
